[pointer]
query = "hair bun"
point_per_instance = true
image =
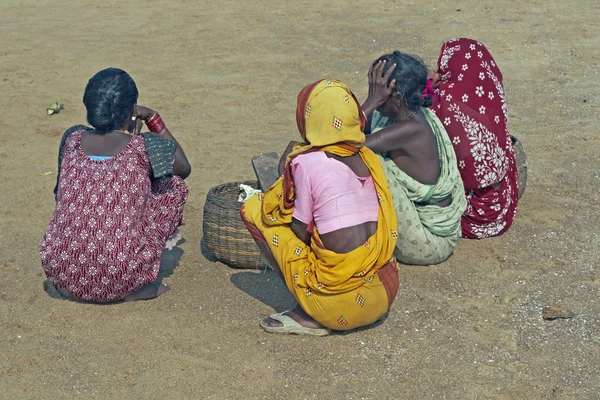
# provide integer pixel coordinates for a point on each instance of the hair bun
(109, 98)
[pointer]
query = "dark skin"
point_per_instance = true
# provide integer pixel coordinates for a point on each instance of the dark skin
(343, 240)
(112, 143)
(340, 241)
(410, 140)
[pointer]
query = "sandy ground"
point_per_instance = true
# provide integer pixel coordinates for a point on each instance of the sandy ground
(225, 76)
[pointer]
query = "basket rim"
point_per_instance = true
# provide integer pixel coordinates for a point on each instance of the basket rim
(214, 196)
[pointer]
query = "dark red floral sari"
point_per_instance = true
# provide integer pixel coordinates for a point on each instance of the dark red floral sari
(470, 103)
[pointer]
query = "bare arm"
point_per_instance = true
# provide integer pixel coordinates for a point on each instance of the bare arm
(181, 165)
(393, 137)
(299, 229)
(380, 89)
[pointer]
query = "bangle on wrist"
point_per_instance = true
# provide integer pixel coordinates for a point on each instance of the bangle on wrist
(156, 124)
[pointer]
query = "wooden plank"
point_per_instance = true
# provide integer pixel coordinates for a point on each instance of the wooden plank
(266, 167)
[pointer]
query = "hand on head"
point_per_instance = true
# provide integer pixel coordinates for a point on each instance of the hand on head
(379, 88)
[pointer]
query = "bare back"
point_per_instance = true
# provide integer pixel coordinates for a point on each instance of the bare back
(419, 156)
(413, 147)
(347, 239)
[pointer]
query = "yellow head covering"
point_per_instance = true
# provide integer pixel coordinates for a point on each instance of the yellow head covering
(330, 119)
(328, 114)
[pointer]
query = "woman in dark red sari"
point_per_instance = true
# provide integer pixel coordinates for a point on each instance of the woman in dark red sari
(470, 102)
(119, 198)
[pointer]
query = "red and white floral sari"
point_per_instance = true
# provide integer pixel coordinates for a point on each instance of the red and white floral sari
(470, 103)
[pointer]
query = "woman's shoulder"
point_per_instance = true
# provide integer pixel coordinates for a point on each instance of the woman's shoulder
(76, 129)
(309, 158)
(309, 165)
(69, 136)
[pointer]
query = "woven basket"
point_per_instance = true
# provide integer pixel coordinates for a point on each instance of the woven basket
(225, 234)
(521, 164)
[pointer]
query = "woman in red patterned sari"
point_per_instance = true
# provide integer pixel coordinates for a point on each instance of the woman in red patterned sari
(119, 198)
(470, 102)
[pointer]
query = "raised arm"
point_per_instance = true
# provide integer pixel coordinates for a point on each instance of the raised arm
(181, 165)
(380, 89)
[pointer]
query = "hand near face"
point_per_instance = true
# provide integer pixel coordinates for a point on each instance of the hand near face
(143, 113)
(379, 89)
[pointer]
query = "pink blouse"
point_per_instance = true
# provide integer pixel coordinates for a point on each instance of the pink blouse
(330, 194)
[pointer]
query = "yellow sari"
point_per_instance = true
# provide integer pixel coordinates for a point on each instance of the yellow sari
(340, 291)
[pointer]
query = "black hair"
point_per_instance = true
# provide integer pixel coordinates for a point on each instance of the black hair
(411, 77)
(109, 98)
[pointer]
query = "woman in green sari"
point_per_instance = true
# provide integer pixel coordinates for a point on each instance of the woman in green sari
(418, 159)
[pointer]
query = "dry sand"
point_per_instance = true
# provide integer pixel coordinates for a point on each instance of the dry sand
(225, 76)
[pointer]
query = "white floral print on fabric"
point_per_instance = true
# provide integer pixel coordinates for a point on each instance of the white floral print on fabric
(485, 149)
(94, 243)
(447, 53)
(479, 118)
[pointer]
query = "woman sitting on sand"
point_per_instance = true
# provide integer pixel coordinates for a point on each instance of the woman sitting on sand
(418, 160)
(119, 197)
(470, 102)
(328, 226)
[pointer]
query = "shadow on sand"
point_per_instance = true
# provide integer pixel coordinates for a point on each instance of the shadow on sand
(209, 255)
(170, 261)
(266, 287)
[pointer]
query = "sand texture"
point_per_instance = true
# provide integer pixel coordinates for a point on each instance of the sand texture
(225, 76)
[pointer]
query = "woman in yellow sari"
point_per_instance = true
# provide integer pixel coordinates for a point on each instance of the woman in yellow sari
(328, 224)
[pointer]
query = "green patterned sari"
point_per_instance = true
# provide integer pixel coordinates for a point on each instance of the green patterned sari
(427, 233)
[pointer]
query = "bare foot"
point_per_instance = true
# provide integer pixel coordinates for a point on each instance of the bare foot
(150, 291)
(298, 315)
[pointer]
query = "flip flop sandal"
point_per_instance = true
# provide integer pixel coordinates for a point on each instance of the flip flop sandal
(291, 326)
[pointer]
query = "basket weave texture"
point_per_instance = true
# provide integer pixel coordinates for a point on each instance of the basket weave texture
(225, 234)
(521, 164)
